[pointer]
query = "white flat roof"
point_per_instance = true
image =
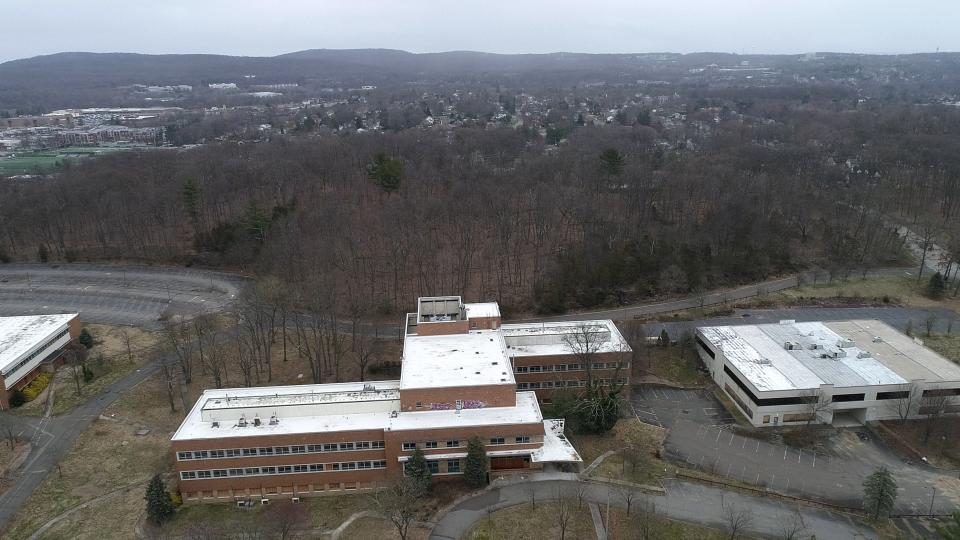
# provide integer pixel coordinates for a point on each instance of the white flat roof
(556, 447)
(378, 414)
(21, 335)
(759, 353)
(483, 309)
(547, 338)
(474, 359)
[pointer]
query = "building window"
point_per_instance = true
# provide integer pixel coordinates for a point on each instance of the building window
(298, 449)
(496, 440)
(330, 447)
(333, 466)
(235, 472)
(534, 369)
(453, 444)
(433, 466)
(377, 444)
(348, 466)
(344, 446)
(280, 450)
(453, 465)
(836, 398)
(766, 419)
(183, 456)
(364, 465)
(204, 474)
(316, 467)
(522, 386)
(521, 369)
(266, 451)
(573, 367)
(188, 475)
(268, 470)
(314, 448)
(561, 367)
(597, 365)
(251, 471)
(363, 445)
(430, 444)
(382, 464)
(409, 446)
(522, 440)
(300, 468)
(419, 405)
(284, 469)
(219, 473)
(893, 395)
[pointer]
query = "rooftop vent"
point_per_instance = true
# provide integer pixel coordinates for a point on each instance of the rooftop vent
(394, 414)
(273, 419)
(877, 339)
(256, 421)
(863, 354)
(242, 422)
(216, 424)
(369, 388)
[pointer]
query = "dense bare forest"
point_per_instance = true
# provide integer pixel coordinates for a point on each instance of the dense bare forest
(609, 215)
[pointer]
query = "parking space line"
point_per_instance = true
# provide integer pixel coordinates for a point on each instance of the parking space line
(758, 448)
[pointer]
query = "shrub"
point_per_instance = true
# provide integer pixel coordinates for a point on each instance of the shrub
(87, 374)
(17, 398)
(936, 286)
(159, 505)
(475, 469)
(36, 386)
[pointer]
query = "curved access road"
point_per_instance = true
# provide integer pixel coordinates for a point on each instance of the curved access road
(133, 295)
(682, 501)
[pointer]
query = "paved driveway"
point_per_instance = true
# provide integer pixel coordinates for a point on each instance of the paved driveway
(683, 501)
(664, 407)
(836, 476)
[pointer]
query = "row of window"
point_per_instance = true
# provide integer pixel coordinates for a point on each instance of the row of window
(456, 443)
(280, 450)
(453, 466)
(538, 385)
(284, 469)
(34, 354)
(569, 367)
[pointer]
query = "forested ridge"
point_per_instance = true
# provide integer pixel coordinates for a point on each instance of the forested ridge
(497, 214)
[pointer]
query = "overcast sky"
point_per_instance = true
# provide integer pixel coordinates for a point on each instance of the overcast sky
(269, 27)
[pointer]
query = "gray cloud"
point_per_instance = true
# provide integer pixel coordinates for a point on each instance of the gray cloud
(263, 28)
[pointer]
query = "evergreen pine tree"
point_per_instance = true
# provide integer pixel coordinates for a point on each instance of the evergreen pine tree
(611, 162)
(386, 173)
(879, 492)
(85, 338)
(159, 506)
(475, 469)
(664, 337)
(936, 286)
(419, 472)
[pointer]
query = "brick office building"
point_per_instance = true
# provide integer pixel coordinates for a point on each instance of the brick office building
(457, 382)
(27, 344)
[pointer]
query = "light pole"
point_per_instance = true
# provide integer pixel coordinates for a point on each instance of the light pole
(933, 494)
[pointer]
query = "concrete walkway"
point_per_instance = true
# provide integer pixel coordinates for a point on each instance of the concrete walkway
(683, 501)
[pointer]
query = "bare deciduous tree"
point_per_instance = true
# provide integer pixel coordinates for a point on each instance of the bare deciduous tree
(645, 519)
(398, 503)
(564, 514)
(738, 520)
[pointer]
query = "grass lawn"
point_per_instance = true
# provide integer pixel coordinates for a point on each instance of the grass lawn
(109, 361)
(676, 364)
(624, 527)
(527, 521)
(29, 164)
(637, 441)
(368, 528)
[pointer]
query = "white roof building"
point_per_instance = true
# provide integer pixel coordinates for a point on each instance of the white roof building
(26, 341)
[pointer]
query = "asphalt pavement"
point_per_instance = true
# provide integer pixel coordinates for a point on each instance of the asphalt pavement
(682, 501)
(129, 295)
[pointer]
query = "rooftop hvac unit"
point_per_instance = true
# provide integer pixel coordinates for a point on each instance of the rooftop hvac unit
(256, 421)
(242, 422)
(877, 339)
(216, 423)
(273, 419)
(787, 321)
(844, 343)
(863, 354)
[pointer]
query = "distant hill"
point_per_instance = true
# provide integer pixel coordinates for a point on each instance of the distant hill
(75, 79)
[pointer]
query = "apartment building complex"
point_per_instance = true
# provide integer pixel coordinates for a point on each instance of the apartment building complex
(27, 344)
(457, 381)
(843, 372)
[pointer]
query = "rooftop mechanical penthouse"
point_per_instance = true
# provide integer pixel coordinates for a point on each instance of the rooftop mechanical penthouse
(459, 379)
